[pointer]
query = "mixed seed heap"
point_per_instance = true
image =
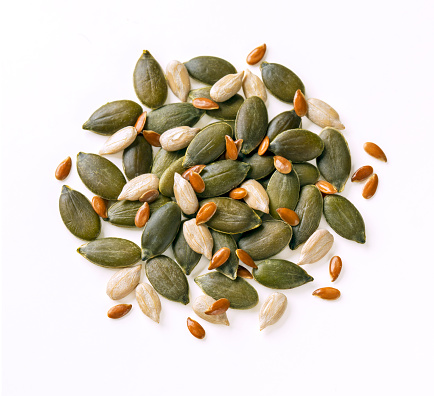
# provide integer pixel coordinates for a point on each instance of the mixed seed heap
(240, 189)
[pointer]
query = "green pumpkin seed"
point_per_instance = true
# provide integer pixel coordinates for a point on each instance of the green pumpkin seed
(78, 215)
(158, 203)
(307, 173)
(123, 213)
(309, 210)
(171, 116)
(283, 192)
(221, 240)
(100, 175)
(251, 123)
(160, 230)
(137, 158)
(264, 182)
(297, 145)
(335, 161)
(167, 279)
(111, 252)
(270, 238)
(280, 81)
(209, 69)
(232, 216)
(344, 218)
(113, 116)
(283, 122)
(167, 180)
(239, 292)
(280, 274)
(207, 145)
(227, 110)
(260, 165)
(149, 81)
(185, 256)
(163, 159)
(222, 176)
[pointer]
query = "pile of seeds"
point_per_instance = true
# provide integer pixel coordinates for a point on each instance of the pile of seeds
(240, 189)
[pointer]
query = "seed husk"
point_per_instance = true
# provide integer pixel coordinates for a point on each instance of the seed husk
(185, 256)
(123, 282)
(177, 138)
(149, 196)
(335, 267)
(219, 307)
(219, 258)
(272, 310)
(196, 168)
(263, 147)
(163, 159)
(251, 123)
(119, 141)
(309, 211)
(270, 238)
(221, 240)
(288, 216)
(178, 79)
(280, 81)
(283, 122)
(307, 173)
(226, 87)
(205, 104)
(198, 238)
(370, 187)
(197, 182)
(206, 212)
(140, 123)
(148, 301)
(327, 293)
(282, 165)
(153, 138)
(375, 151)
(160, 230)
(63, 169)
(118, 311)
(195, 328)
(256, 55)
(167, 180)
(239, 292)
(283, 192)
(137, 158)
(209, 69)
(253, 86)
(280, 274)
(316, 247)
(136, 187)
(231, 149)
(238, 193)
(100, 175)
(362, 173)
(99, 205)
(113, 116)
(201, 304)
(142, 215)
(322, 114)
(111, 252)
(344, 218)
(185, 195)
(300, 104)
(325, 187)
(167, 279)
(244, 273)
(257, 197)
(78, 214)
(245, 258)
(149, 81)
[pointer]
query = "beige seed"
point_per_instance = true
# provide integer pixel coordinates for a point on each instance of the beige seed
(226, 87)
(63, 169)
(148, 301)
(257, 197)
(201, 304)
(198, 238)
(316, 247)
(320, 113)
(184, 194)
(119, 141)
(178, 79)
(253, 86)
(272, 310)
(177, 138)
(123, 282)
(136, 187)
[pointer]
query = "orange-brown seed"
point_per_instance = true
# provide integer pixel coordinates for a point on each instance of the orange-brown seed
(245, 258)
(300, 104)
(99, 205)
(142, 215)
(375, 151)
(370, 187)
(149, 196)
(335, 267)
(362, 173)
(195, 328)
(140, 123)
(256, 55)
(282, 164)
(263, 147)
(325, 187)
(288, 216)
(119, 310)
(63, 169)
(244, 273)
(206, 212)
(239, 144)
(219, 258)
(153, 138)
(197, 182)
(219, 307)
(327, 293)
(231, 149)
(238, 193)
(196, 168)
(205, 104)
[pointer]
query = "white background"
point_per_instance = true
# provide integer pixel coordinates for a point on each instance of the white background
(371, 60)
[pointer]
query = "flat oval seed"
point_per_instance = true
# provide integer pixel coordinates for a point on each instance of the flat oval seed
(119, 310)
(149, 196)
(362, 173)
(300, 104)
(282, 164)
(238, 193)
(245, 258)
(196, 168)
(197, 182)
(137, 158)
(99, 205)
(219, 307)
(198, 238)
(325, 187)
(256, 55)
(195, 328)
(119, 141)
(263, 147)
(142, 215)
(219, 258)
(153, 138)
(327, 293)
(335, 267)
(253, 86)
(288, 216)
(322, 114)
(140, 123)
(205, 104)
(226, 87)
(231, 149)
(206, 212)
(239, 144)
(209, 69)
(375, 151)
(370, 187)
(244, 273)
(63, 169)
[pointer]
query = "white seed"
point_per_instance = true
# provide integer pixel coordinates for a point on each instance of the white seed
(177, 138)
(320, 113)
(316, 247)
(149, 302)
(226, 87)
(123, 282)
(136, 187)
(201, 304)
(184, 194)
(253, 86)
(272, 310)
(119, 141)
(178, 79)
(257, 197)
(198, 238)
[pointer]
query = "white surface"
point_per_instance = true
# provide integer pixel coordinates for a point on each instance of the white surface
(372, 61)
